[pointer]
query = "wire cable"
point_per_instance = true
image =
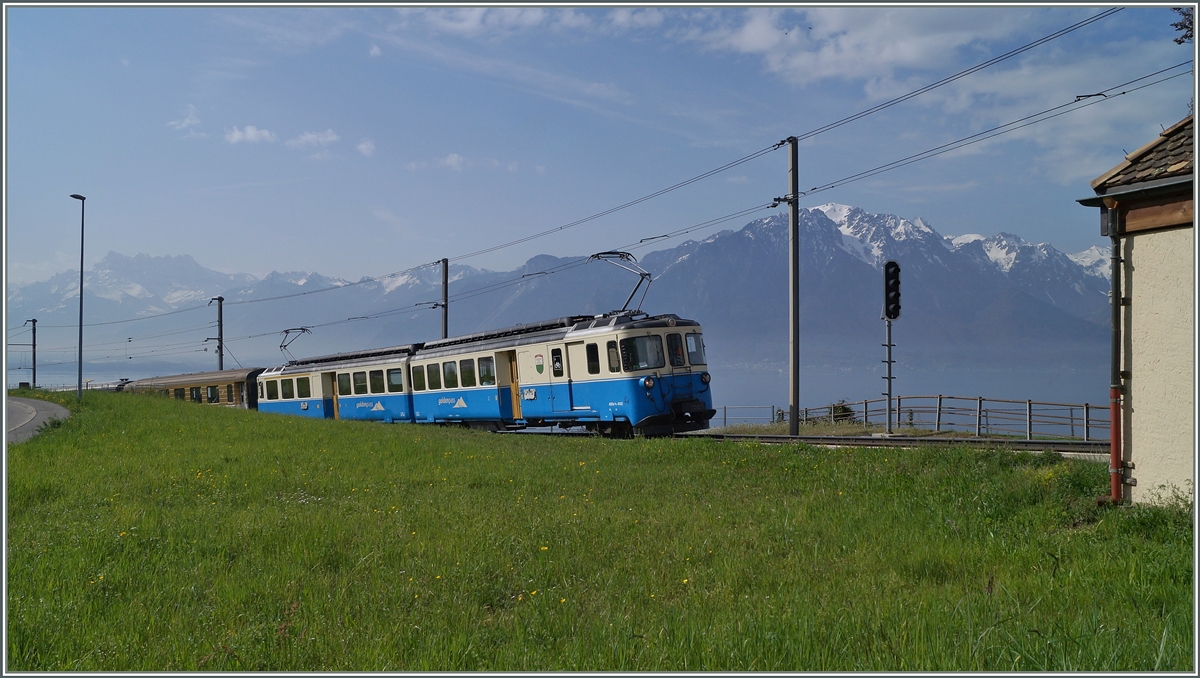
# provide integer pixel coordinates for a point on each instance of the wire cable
(1012, 126)
(961, 74)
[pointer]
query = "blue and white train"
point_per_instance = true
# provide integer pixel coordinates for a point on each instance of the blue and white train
(619, 373)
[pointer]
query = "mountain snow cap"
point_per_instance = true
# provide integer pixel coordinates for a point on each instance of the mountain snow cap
(837, 213)
(1095, 260)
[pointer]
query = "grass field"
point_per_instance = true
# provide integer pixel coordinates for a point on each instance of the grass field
(146, 534)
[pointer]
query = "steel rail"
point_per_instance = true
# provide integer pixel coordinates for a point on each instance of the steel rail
(1089, 447)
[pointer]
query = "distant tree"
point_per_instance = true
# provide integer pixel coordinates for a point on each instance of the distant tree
(1184, 25)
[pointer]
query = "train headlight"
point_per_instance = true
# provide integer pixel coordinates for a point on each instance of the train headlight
(705, 378)
(648, 382)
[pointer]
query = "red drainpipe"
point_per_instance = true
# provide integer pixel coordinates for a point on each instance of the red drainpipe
(1115, 470)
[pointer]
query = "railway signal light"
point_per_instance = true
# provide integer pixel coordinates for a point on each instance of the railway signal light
(891, 290)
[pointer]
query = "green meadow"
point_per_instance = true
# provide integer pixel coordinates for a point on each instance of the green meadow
(146, 534)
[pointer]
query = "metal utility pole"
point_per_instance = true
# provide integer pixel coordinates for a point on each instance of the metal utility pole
(34, 378)
(445, 298)
(82, 201)
(794, 284)
(220, 332)
(889, 376)
(33, 383)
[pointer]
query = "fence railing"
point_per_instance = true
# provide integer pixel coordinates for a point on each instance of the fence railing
(979, 416)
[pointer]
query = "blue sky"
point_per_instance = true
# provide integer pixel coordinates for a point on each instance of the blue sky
(361, 141)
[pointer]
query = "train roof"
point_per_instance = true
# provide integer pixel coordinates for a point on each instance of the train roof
(516, 335)
(365, 354)
(197, 378)
(550, 330)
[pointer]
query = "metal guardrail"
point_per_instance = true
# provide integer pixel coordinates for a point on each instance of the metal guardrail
(980, 416)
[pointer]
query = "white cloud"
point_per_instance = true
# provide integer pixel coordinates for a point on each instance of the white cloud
(313, 139)
(571, 19)
(250, 134)
(454, 161)
(625, 18)
(187, 122)
(856, 42)
(375, 51)
(459, 163)
(366, 147)
(475, 21)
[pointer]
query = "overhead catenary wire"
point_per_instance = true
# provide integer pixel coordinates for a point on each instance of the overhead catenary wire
(1012, 126)
(1020, 123)
(643, 242)
(961, 74)
(811, 133)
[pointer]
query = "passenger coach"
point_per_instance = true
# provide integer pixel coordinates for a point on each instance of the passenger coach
(614, 373)
(230, 388)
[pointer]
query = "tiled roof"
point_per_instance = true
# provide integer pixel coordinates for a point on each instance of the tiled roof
(1169, 155)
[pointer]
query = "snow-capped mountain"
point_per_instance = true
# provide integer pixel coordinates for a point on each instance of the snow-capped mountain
(967, 300)
(1095, 260)
(135, 286)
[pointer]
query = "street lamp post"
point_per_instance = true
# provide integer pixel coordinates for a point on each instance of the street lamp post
(79, 388)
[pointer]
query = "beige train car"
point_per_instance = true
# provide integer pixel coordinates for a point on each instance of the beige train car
(228, 388)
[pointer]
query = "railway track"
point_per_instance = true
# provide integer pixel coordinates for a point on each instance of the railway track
(1089, 450)
(1085, 449)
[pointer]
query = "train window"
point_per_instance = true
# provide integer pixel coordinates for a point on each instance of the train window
(642, 353)
(695, 348)
(556, 362)
(376, 381)
(395, 380)
(195, 394)
(214, 394)
(272, 390)
(487, 371)
(593, 359)
(260, 391)
(435, 376)
(675, 350)
(228, 393)
(303, 387)
(285, 385)
(360, 383)
(418, 379)
(614, 357)
(344, 384)
(466, 369)
(450, 374)
(179, 394)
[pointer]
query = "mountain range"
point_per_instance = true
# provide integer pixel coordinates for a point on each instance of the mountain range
(981, 315)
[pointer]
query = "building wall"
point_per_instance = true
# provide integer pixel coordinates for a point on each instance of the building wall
(1159, 436)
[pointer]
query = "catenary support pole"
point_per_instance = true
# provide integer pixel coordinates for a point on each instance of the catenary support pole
(220, 334)
(794, 284)
(33, 381)
(445, 298)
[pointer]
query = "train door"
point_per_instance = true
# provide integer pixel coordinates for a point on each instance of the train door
(508, 386)
(329, 394)
(682, 383)
(577, 367)
(560, 379)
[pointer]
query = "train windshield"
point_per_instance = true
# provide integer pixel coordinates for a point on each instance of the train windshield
(695, 348)
(642, 353)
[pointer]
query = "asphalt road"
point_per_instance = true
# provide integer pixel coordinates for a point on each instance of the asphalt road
(25, 415)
